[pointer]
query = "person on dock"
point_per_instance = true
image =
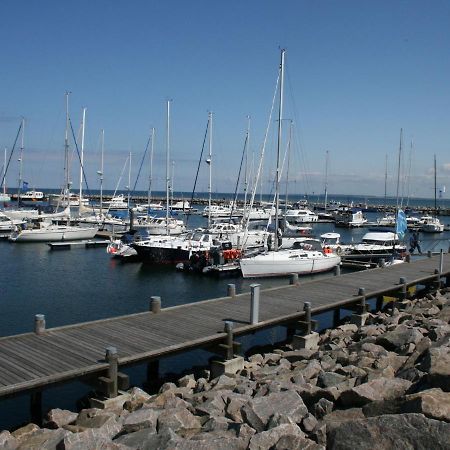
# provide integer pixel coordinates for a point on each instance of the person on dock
(414, 243)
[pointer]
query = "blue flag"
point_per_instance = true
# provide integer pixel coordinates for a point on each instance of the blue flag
(401, 225)
(24, 185)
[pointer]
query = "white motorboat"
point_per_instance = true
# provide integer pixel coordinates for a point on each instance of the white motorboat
(32, 196)
(48, 232)
(303, 215)
(377, 245)
(4, 197)
(350, 219)
(220, 211)
(160, 225)
(429, 224)
(7, 225)
(386, 221)
(116, 202)
(61, 200)
(307, 257)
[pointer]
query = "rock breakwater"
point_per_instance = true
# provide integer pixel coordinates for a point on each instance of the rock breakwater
(384, 385)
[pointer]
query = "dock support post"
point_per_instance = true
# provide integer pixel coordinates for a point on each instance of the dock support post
(232, 363)
(360, 319)
(36, 407)
(293, 279)
(437, 282)
(112, 359)
(310, 340)
(155, 304)
(441, 261)
(39, 324)
(337, 270)
(382, 262)
(231, 291)
(402, 295)
(429, 253)
(254, 306)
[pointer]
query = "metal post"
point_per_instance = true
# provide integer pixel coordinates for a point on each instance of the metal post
(437, 283)
(155, 304)
(307, 309)
(231, 290)
(404, 289)
(362, 305)
(441, 261)
(293, 279)
(229, 331)
(254, 307)
(429, 253)
(39, 323)
(337, 270)
(112, 359)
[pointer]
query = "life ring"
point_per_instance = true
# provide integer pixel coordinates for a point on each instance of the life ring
(338, 251)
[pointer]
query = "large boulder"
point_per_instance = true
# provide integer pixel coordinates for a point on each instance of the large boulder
(141, 418)
(436, 363)
(179, 420)
(8, 441)
(396, 339)
(378, 389)
(387, 432)
(257, 412)
(433, 403)
(57, 418)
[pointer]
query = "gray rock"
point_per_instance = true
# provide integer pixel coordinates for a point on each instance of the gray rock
(268, 439)
(312, 369)
(57, 418)
(309, 423)
(271, 358)
(328, 379)
(298, 355)
(168, 387)
(25, 431)
(91, 438)
(179, 420)
(257, 412)
(223, 382)
(142, 418)
(402, 335)
(202, 385)
(322, 408)
(146, 440)
(107, 423)
(437, 364)
(399, 431)
(216, 424)
(44, 439)
(208, 441)
(378, 389)
(187, 381)
(339, 416)
(8, 441)
(433, 403)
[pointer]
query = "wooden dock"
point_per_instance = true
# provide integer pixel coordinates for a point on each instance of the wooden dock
(37, 359)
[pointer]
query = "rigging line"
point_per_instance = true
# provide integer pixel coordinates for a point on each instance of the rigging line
(12, 151)
(237, 181)
(82, 166)
(198, 169)
(142, 163)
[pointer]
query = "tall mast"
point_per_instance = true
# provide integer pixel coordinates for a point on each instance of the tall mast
(129, 180)
(327, 156)
(66, 153)
(209, 161)
(435, 187)
(167, 166)
(399, 164)
(287, 170)
(246, 163)
(4, 173)
(280, 118)
(149, 195)
(80, 195)
(100, 172)
(21, 161)
(172, 181)
(385, 181)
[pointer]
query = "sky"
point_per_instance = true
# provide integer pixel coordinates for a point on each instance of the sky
(357, 72)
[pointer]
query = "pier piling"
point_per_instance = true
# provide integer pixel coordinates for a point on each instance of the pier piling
(254, 306)
(112, 358)
(293, 279)
(231, 291)
(39, 323)
(155, 304)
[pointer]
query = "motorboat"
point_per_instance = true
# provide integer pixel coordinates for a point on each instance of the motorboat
(430, 224)
(174, 250)
(375, 245)
(122, 248)
(116, 202)
(352, 218)
(303, 215)
(220, 211)
(7, 225)
(386, 221)
(32, 196)
(160, 225)
(4, 197)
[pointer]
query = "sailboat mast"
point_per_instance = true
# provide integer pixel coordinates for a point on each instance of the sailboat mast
(129, 180)
(246, 163)
(287, 170)
(4, 173)
(280, 117)
(399, 165)
(327, 156)
(21, 161)
(385, 181)
(66, 153)
(101, 174)
(167, 166)
(149, 196)
(80, 195)
(435, 187)
(209, 161)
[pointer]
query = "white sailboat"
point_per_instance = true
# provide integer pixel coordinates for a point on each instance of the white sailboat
(308, 257)
(46, 231)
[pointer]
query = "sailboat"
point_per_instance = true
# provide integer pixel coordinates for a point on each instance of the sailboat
(45, 231)
(306, 257)
(4, 197)
(431, 224)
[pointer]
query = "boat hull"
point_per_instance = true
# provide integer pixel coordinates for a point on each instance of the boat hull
(56, 234)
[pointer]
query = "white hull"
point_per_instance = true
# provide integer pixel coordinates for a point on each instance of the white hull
(34, 214)
(4, 197)
(54, 233)
(284, 262)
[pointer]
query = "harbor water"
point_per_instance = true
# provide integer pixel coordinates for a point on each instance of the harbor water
(79, 285)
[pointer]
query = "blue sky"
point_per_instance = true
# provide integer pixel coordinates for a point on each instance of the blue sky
(357, 72)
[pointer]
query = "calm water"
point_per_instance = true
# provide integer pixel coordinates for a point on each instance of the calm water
(77, 285)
